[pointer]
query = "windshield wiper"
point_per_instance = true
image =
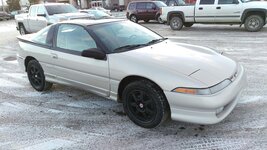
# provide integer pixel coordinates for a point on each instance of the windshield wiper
(128, 47)
(156, 40)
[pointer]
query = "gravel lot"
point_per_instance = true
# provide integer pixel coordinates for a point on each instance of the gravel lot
(69, 118)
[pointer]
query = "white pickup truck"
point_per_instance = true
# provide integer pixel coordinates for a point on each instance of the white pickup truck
(42, 15)
(250, 13)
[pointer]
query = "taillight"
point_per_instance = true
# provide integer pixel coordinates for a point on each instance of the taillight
(160, 11)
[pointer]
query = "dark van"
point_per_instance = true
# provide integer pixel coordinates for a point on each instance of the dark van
(144, 10)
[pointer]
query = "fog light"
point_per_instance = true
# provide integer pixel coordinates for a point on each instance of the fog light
(219, 110)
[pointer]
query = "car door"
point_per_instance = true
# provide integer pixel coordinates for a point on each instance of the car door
(205, 11)
(228, 11)
(88, 73)
(32, 19)
(151, 11)
(141, 10)
(41, 20)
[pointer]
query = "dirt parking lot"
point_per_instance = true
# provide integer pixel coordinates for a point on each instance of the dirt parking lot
(69, 118)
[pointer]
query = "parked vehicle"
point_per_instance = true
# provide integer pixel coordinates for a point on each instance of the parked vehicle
(179, 2)
(144, 10)
(42, 15)
(251, 14)
(121, 60)
(4, 15)
(101, 9)
(96, 14)
(117, 7)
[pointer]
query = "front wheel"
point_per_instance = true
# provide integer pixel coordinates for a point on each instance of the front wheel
(36, 76)
(176, 23)
(254, 23)
(22, 30)
(145, 104)
(133, 18)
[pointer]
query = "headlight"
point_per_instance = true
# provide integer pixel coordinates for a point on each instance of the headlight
(205, 91)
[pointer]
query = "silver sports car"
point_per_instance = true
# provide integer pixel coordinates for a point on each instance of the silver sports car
(152, 76)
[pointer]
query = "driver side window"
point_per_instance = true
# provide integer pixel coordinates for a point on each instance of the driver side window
(74, 38)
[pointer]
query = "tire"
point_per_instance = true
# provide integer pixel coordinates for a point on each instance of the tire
(133, 18)
(176, 23)
(254, 23)
(188, 25)
(146, 21)
(22, 29)
(145, 104)
(36, 76)
(159, 20)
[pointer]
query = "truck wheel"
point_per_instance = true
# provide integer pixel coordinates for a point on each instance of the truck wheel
(22, 30)
(188, 24)
(254, 23)
(133, 18)
(145, 104)
(176, 23)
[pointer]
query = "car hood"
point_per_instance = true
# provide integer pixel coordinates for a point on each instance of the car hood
(200, 63)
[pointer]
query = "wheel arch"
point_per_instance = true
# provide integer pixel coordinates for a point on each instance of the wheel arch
(175, 13)
(254, 11)
(27, 60)
(132, 78)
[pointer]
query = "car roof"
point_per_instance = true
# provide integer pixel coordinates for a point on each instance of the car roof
(85, 22)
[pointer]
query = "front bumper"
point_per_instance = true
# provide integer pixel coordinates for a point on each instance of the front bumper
(207, 109)
(21, 61)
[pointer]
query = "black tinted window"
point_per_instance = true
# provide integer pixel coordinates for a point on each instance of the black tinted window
(132, 6)
(59, 9)
(141, 6)
(207, 2)
(226, 2)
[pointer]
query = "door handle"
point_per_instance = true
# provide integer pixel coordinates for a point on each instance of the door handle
(200, 8)
(53, 55)
(218, 7)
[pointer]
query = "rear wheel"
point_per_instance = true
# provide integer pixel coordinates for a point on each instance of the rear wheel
(188, 24)
(36, 76)
(145, 104)
(176, 23)
(254, 23)
(133, 18)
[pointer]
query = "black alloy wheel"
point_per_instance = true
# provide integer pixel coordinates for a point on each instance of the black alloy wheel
(145, 104)
(36, 76)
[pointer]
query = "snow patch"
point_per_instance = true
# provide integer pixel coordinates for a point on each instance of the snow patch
(250, 99)
(6, 83)
(50, 145)
(16, 75)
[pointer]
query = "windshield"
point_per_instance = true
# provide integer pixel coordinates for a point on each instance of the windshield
(160, 4)
(123, 34)
(60, 9)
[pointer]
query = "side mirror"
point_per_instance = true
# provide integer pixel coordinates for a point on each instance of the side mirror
(235, 2)
(94, 53)
(41, 15)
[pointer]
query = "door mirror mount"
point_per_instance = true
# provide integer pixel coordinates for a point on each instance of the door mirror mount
(95, 53)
